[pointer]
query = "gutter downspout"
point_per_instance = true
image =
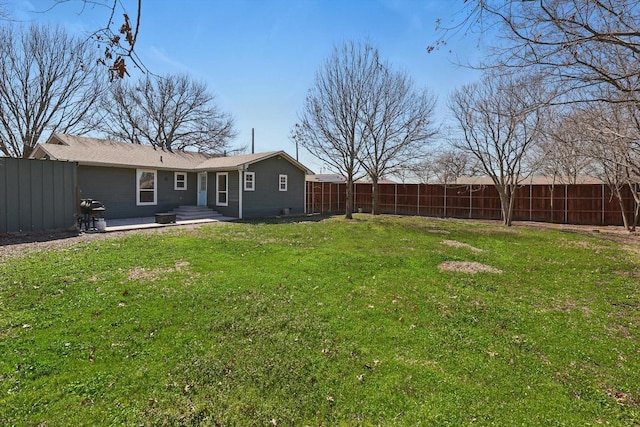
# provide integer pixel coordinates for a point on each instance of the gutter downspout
(304, 193)
(240, 189)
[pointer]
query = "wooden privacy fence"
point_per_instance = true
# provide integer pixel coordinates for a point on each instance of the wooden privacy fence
(588, 204)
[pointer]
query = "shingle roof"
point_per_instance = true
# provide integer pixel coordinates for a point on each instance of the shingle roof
(233, 162)
(532, 180)
(101, 152)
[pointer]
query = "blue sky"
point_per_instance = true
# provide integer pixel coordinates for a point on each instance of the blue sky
(259, 57)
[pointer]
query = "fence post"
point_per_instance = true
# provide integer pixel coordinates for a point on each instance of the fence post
(602, 191)
(445, 202)
(418, 201)
(470, 201)
(395, 198)
(530, 202)
(566, 204)
(313, 198)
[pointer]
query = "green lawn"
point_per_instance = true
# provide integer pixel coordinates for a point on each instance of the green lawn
(329, 322)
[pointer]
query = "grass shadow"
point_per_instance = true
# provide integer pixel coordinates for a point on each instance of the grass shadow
(288, 219)
(36, 237)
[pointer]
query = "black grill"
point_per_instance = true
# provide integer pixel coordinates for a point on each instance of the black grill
(90, 211)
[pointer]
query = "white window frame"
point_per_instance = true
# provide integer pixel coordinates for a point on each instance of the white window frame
(282, 179)
(225, 191)
(176, 181)
(139, 172)
(249, 181)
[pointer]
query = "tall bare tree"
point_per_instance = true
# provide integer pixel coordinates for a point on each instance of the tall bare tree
(609, 136)
(559, 153)
(451, 164)
(444, 165)
(500, 120)
(398, 124)
(170, 113)
(49, 81)
(332, 125)
(581, 43)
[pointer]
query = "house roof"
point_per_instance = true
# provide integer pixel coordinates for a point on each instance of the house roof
(102, 152)
(326, 177)
(340, 179)
(533, 180)
(244, 160)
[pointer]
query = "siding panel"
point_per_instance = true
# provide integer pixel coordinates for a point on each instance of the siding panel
(267, 200)
(36, 195)
(116, 188)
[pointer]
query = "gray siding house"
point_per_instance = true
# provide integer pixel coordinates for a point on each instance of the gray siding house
(138, 181)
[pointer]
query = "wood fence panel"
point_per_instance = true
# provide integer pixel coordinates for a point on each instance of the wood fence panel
(362, 197)
(486, 202)
(431, 200)
(540, 203)
(407, 199)
(558, 203)
(387, 201)
(458, 201)
(591, 204)
(584, 204)
(522, 203)
(612, 214)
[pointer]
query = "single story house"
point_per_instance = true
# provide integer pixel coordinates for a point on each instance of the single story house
(135, 180)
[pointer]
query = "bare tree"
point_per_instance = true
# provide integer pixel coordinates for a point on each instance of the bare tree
(423, 172)
(499, 119)
(451, 164)
(170, 113)
(398, 123)
(609, 137)
(117, 37)
(49, 82)
(332, 123)
(559, 153)
(444, 165)
(576, 43)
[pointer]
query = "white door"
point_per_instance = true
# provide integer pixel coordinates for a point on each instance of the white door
(202, 189)
(222, 189)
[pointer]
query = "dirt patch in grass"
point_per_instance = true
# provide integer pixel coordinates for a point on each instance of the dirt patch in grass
(456, 244)
(467, 267)
(622, 398)
(567, 306)
(141, 273)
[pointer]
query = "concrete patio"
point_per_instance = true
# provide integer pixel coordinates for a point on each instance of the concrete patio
(126, 224)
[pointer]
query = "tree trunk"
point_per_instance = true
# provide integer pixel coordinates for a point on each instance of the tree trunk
(375, 210)
(636, 210)
(506, 204)
(512, 201)
(625, 219)
(26, 151)
(348, 208)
